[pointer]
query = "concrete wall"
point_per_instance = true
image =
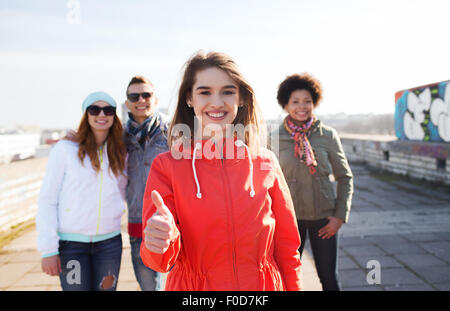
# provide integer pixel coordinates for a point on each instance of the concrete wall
(427, 160)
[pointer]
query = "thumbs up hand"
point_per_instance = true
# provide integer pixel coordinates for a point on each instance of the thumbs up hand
(161, 230)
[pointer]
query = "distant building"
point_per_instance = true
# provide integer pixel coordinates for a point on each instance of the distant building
(51, 136)
(125, 111)
(18, 146)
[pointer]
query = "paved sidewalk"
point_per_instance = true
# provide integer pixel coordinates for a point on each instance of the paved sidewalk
(20, 268)
(404, 229)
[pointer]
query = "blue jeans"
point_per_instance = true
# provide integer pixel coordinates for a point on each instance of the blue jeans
(148, 279)
(325, 252)
(90, 266)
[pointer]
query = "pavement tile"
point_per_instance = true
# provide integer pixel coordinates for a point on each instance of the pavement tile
(425, 206)
(390, 201)
(400, 276)
(369, 208)
(126, 257)
(373, 201)
(364, 250)
(309, 278)
(346, 263)
(357, 204)
(417, 199)
(386, 239)
(12, 272)
(435, 274)
(126, 274)
(27, 288)
(54, 288)
(26, 242)
(419, 260)
(444, 236)
(404, 248)
(27, 256)
(37, 268)
(37, 279)
(358, 196)
(353, 278)
(410, 287)
(128, 286)
(440, 249)
(411, 188)
(374, 288)
(421, 237)
(442, 286)
(7, 257)
(352, 241)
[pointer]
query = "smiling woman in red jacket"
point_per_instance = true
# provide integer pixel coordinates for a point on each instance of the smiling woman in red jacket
(217, 210)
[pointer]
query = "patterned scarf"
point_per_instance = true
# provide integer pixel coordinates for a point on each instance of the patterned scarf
(143, 130)
(303, 149)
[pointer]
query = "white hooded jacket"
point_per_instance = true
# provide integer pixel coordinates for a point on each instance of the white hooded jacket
(75, 202)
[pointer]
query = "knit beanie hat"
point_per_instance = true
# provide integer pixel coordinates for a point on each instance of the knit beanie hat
(98, 96)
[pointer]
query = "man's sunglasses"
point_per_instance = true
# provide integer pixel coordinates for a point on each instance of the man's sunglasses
(95, 110)
(134, 97)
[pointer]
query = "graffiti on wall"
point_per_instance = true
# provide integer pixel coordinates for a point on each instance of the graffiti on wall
(433, 150)
(423, 113)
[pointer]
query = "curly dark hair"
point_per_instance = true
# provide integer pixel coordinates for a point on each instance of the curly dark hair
(303, 81)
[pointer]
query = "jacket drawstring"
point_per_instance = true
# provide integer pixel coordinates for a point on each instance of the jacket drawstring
(238, 143)
(197, 147)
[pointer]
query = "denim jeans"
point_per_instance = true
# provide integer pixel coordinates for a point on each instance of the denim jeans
(90, 266)
(148, 279)
(325, 252)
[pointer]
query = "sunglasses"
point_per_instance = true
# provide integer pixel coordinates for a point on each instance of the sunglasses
(134, 97)
(95, 110)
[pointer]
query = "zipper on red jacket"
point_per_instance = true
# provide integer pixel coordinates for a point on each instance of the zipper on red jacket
(233, 234)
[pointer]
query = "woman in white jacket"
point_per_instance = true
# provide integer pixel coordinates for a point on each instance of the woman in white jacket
(82, 200)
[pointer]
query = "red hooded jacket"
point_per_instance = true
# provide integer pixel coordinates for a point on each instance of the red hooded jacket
(238, 229)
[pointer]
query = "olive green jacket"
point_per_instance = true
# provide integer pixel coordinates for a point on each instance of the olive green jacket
(315, 196)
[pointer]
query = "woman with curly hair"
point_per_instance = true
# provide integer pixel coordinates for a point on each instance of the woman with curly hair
(82, 201)
(309, 153)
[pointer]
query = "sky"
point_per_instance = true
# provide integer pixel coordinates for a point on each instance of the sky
(54, 53)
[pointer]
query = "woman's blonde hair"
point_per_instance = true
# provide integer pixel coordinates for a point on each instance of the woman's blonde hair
(248, 115)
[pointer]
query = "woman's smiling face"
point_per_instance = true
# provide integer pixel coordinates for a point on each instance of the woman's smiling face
(215, 99)
(100, 122)
(300, 105)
